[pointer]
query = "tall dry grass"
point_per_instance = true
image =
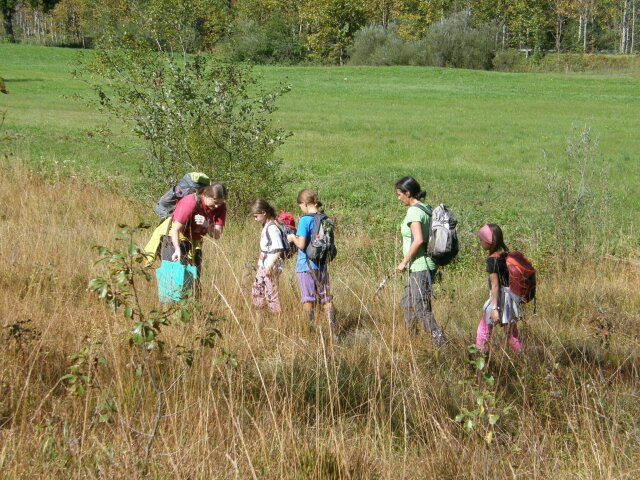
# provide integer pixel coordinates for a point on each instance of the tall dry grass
(379, 405)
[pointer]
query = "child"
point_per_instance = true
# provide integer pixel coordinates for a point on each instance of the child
(501, 306)
(265, 286)
(416, 300)
(313, 280)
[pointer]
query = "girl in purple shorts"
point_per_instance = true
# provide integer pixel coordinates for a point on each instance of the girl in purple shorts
(313, 279)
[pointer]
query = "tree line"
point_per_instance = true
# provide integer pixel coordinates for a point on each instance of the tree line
(323, 31)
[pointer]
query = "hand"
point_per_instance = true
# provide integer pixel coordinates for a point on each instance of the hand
(176, 256)
(401, 266)
(495, 316)
(291, 237)
(201, 220)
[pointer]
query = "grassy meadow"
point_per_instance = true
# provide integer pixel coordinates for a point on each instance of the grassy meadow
(287, 403)
(475, 140)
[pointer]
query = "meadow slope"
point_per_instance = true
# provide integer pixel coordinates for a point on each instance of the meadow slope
(379, 405)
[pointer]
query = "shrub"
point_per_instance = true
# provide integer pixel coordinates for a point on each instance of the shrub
(509, 61)
(193, 113)
(264, 43)
(456, 42)
(377, 45)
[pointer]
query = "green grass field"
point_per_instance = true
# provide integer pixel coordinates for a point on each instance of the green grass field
(475, 140)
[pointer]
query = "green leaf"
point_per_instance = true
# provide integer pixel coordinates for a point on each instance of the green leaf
(136, 334)
(128, 313)
(468, 425)
(459, 418)
(488, 379)
(489, 437)
(185, 315)
(480, 363)
(493, 419)
(479, 400)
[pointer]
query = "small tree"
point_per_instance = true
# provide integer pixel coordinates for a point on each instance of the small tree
(578, 195)
(193, 113)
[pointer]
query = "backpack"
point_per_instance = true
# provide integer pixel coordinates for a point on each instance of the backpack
(442, 246)
(522, 276)
(286, 225)
(443, 238)
(321, 247)
(190, 183)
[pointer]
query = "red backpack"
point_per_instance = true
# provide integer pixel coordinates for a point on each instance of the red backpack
(522, 276)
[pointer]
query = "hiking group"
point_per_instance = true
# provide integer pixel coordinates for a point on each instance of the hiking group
(195, 207)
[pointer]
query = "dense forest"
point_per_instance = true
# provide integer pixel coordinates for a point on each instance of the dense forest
(327, 31)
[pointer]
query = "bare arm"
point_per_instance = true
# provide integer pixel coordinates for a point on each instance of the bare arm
(176, 229)
(418, 240)
(300, 242)
(495, 295)
(215, 231)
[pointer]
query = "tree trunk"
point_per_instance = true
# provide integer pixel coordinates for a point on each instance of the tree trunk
(634, 17)
(624, 30)
(7, 23)
(585, 25)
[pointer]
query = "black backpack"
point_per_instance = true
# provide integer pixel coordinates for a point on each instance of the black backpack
(190, 183)
(321, 247)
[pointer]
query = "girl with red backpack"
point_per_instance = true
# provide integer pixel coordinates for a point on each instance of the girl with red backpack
(502, 307)
(265, 285)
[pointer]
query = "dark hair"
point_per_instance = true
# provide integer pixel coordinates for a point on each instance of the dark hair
(498, 239)
(308, 196)
(409, 185)
(215, 190)
(262, 206)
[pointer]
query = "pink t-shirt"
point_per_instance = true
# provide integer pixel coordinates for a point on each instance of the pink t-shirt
(186, 210)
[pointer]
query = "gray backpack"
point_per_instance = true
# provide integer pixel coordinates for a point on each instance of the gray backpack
(443, 238)
(321, 247)
(190, 183)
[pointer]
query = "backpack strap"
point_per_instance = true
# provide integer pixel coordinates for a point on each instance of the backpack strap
(425, 241)
(273, 222)
(196, 211)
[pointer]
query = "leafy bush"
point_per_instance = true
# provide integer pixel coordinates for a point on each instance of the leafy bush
(377, 45)
(574, 196)
(509, 61)
(271, 42)
(456, 42)
(193, 113)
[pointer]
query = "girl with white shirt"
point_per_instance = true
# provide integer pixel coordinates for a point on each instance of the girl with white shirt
(265, 286)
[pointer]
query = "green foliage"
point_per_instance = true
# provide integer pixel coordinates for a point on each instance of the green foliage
(335, 22)
(485, 412)
(578, 196)
(377, 45)
(456, 42)
(193, 113)
(453, 42)
(268, 42)
(509, 61)
(120, 290)
(81, 371)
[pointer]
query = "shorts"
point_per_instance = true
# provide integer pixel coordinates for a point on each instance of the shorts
(314, 285)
